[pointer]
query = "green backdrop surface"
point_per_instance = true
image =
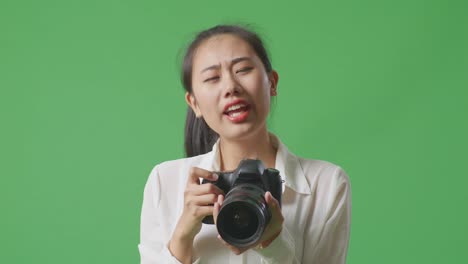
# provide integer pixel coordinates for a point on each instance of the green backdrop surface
(90, 101)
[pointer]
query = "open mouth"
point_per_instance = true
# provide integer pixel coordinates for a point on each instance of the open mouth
(236, 110)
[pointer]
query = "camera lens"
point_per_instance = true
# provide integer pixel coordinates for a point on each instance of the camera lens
(243, 216)
(243, 221)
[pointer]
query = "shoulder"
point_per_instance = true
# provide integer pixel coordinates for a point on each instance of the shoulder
(175, 170)
(173, 166)
(309, 176)
(329, 185)
(314, 168)
(323, 175)
(169, 178)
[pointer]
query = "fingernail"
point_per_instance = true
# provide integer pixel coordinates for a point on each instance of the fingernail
(215, 176)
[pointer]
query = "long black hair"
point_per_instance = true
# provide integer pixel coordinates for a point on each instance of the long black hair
(199, 137)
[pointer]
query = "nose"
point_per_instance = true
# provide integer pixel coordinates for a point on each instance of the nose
(231, 86)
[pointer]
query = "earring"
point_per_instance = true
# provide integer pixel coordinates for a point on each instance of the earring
(273, 91)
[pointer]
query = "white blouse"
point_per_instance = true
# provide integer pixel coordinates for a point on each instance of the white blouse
(316, 205)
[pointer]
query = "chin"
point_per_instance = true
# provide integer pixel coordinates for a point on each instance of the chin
(241, 132)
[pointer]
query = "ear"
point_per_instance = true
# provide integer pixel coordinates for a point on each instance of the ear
(190, 99)
(274, 78)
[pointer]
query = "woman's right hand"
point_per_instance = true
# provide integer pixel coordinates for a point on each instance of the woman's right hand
(198, 203)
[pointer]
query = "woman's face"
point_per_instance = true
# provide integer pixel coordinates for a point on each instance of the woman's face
(231, 89)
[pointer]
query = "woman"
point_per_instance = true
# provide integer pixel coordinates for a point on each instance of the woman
(229, 82)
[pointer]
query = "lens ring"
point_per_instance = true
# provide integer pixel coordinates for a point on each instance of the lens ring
(243, 216)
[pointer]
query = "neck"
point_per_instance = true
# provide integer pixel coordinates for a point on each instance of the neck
(256, 147)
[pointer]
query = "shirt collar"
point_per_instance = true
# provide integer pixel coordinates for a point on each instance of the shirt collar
(286, 163)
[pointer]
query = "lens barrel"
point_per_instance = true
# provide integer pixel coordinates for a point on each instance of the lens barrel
(243, 216)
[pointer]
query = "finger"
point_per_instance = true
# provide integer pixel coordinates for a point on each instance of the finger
(196, 173)
(203, 189)
(217, 207)
(234, 249)
(220, 199)
(272, 203)
(205, 199)
(275, 226)
(199, 212)
(271, 200)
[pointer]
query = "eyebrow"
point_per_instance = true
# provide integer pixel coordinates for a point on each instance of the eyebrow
(234, 61)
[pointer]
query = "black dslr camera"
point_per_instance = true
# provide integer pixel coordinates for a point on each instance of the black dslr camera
(244, 213)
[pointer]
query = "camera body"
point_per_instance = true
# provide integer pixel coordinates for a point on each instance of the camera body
(244, 213)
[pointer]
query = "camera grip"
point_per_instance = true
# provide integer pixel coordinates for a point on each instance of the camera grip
(275, 183)
(223, 184)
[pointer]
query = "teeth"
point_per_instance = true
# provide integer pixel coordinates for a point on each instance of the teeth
(234, 114)
(235, 107)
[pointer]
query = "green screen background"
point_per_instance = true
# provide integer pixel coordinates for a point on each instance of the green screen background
(91, 100)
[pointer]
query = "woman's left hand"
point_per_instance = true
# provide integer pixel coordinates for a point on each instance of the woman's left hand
(272, 230)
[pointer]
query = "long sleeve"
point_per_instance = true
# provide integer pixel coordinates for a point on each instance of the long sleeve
(316, 205)
(331, 246)
(281, 250)
(153, 245)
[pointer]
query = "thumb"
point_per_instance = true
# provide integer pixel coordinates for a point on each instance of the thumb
(196, 173)
(271, 201)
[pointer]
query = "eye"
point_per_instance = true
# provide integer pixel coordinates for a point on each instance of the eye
(214, 78)
(245, 69)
